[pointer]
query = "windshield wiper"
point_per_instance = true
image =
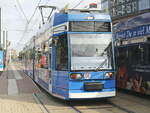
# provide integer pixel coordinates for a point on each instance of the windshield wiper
(101, 65)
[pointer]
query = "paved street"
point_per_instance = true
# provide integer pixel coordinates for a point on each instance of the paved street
(16, 92)
(19, 94)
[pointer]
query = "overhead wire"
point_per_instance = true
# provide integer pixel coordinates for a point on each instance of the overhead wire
(30, 19)
(27, 24)
(35, 11)
(21, 9)
(81, 2)
(18, 11)
(78, 4)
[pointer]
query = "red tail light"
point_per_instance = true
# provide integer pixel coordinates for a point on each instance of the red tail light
(76, 76)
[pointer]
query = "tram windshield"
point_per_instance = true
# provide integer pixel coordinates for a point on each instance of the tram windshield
(91, 51)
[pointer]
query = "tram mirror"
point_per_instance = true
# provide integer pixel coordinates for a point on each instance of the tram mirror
(54, 41)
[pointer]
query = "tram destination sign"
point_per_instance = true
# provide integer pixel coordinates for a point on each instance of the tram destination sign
(134, 32)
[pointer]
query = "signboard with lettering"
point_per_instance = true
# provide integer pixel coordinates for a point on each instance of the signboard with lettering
(135, 32)
(137, 26)
(144, 4)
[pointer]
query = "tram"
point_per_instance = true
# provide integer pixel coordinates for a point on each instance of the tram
(74, 55)
(132, 38)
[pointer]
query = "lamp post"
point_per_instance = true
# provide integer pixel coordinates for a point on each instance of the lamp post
(0, 29)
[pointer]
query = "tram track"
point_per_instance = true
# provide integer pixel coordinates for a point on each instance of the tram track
(80, 107)
(106, 106)
(74, 108)
(40, 103)
(120, 107)
(83, 106)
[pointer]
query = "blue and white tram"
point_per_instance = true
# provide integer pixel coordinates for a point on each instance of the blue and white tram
(75, 57)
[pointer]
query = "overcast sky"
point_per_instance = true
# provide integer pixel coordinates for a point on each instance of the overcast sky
(15, 21)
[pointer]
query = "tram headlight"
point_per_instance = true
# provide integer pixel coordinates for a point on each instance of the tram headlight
(76, 76)
(109, 75)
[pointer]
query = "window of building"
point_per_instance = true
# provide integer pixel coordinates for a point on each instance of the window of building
(121, 55)
(137, 54)
(133, 55)
(148, 51)
(124, 7)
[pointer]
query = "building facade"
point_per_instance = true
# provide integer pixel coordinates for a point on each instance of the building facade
(131, 27)
(124, 8)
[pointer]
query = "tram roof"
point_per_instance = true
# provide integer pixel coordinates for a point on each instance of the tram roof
(60, 18)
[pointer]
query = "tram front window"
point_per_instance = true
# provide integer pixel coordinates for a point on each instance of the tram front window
(91, 51)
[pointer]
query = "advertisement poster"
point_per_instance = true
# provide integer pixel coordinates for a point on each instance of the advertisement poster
(1, 60)
(133, 59)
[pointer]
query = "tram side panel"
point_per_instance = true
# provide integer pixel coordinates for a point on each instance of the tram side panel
(41, 72)
(60, 78)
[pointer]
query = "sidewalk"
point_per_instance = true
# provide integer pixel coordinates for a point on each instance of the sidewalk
(16, 91)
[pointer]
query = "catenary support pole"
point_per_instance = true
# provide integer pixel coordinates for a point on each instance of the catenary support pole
(0, 28)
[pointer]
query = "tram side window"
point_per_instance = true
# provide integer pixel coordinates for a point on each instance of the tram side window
(42, 55)
(38, 58)
(62, 53)
(42, 59)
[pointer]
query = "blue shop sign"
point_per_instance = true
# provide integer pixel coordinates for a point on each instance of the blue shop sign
(135, 32)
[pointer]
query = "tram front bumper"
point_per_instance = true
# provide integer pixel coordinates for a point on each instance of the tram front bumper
(93, 86)
(83, 95)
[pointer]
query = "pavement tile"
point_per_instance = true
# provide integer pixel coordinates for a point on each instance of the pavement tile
(3, 84)
(21, 101)
(18, 104)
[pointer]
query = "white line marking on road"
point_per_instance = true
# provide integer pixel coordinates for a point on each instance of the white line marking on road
(12, 87)
(16, 73)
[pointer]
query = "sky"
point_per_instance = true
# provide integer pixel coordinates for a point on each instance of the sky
(17, 13)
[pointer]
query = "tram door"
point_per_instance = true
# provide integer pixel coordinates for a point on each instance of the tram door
(50, 67)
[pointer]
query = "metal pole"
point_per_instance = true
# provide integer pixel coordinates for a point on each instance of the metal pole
(4, 40)
(3, 47)
(33, 53)
(0, 28)
(6, 47)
